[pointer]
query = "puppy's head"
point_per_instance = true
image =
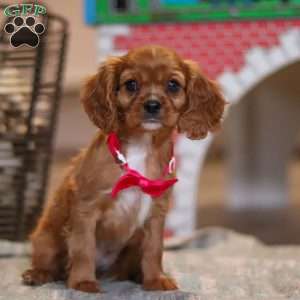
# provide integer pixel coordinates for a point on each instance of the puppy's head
(152, 89)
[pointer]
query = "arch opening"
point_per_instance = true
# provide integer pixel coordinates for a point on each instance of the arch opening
(261, 132)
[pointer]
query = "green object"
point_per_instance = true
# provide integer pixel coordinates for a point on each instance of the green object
(156, 11)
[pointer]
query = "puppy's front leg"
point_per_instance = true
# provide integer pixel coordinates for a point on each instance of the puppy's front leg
(82, 252)
(153, 275)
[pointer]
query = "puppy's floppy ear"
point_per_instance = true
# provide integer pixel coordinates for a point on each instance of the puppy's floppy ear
(205, 104)
(98, 95)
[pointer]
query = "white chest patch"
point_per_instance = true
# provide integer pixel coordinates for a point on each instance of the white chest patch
(129, 200)
(134, 197)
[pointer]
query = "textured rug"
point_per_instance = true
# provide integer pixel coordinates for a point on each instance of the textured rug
(214, 264)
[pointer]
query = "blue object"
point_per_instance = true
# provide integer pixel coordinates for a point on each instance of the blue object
(90, 12)
(183, 2)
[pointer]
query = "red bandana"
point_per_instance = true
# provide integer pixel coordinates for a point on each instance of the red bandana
(132, 177)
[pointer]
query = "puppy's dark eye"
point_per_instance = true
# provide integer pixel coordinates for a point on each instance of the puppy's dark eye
(173, 86)
(131, 86)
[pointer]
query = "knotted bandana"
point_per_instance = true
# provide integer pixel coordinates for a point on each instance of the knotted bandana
(132, 178)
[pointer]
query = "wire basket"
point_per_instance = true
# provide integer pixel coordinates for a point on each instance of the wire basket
(30, 90)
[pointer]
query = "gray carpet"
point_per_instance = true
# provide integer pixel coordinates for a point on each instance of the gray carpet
(218, 264)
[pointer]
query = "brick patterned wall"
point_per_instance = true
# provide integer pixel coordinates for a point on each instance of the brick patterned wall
(217, 46)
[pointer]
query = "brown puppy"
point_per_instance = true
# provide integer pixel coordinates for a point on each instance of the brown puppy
(143, 97)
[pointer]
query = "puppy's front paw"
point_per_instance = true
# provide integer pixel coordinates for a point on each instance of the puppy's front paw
(86, 286)
(36, 277)
(162, 283)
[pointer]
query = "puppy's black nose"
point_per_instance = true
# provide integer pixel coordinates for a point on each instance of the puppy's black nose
(152, 106)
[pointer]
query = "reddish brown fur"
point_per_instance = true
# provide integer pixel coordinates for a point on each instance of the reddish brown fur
(82, 214)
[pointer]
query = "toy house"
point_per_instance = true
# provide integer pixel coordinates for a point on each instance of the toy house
(252, 48)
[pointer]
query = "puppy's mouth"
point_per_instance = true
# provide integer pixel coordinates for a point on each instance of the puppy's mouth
(151, 124)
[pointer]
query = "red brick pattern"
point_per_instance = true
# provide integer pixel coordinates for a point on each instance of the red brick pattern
(217, 46)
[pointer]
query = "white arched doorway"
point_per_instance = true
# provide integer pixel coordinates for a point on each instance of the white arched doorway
(271, 78)
(262, 129)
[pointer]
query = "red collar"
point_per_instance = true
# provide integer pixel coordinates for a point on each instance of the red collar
(132, 178)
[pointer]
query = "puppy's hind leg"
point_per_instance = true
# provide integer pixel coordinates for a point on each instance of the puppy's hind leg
(49, 250)
(47, 253)
(128, 264)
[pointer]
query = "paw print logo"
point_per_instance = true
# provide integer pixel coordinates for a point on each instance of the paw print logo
(24, 31)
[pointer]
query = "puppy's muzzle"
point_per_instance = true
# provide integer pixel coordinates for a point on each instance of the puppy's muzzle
(152, 108)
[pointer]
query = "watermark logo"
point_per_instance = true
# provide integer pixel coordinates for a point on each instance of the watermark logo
(24, 28)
